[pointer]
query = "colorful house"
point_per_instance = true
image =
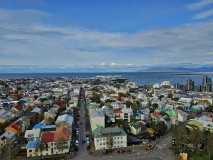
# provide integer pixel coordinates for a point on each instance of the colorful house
(14, 127)
(32, 116)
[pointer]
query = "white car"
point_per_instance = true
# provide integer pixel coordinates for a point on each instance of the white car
(88, 142)
(76, 142)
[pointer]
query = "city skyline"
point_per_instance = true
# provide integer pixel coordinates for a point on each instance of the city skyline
(106, 35)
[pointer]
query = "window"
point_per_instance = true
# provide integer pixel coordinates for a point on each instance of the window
(121, 142)
(118, 142)
(100, 143)
(103, 143)
(118, 138)
(30, 150)
(121, 137)
(46, 149)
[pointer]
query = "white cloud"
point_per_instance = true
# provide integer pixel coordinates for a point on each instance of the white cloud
(199, 5)
(113, 64)
(103, 64)
(209, 62)
(25, 42)
(204, 14)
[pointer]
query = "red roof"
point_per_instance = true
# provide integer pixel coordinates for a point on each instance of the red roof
(47, 137)
(115, 97)
(155, 113)
(15, 125)
(59, 101)
(118, 111)
(62, 133)
(18, 107)
(75, 95)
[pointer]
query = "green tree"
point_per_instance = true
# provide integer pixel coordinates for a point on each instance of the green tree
(161, 96)
(170, 95)
(95, 97)
(159, 127)
(128, 104)
(154, 106)
(162, 113)
(40, 117)
(180, 108)
(61, 109)
(209, 144)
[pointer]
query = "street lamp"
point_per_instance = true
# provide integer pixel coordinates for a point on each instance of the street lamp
(133, 147)
(138, 156)
(110, 157)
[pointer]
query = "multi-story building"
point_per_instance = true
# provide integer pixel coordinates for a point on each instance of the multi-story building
(109, 138)
(97, 118)
(190, 85)
(206, 85)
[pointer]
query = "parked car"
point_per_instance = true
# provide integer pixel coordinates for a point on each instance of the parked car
(88, 142)
(76, 142)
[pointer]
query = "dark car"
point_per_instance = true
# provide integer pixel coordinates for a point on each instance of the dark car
(83, 141)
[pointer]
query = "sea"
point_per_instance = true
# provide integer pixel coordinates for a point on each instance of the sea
(148, 78)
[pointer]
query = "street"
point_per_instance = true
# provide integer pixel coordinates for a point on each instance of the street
(160, 152)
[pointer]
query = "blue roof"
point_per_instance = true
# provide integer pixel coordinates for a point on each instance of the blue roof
(32, 143)
(135, 113)
(38, 126)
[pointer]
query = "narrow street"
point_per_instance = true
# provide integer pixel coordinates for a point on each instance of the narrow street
(159, 153)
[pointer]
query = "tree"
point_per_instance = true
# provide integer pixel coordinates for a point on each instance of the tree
(109, 140)
(128, 104)
(162, 113)
(41, 146)
(108, 105)
(61, 144)
(180, 108)
(40, 117)
(61, 109)
(160, 97)
(209, 144)
(50, 119)
(159, 127)
(154, 106)
(95, 97)
(169, 95)
(179, 133)
(134, 106)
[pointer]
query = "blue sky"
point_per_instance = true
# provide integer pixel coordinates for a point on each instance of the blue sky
(111, 34)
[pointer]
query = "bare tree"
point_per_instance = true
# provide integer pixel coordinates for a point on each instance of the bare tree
(109, 140)
(41, 146)
(61, 144)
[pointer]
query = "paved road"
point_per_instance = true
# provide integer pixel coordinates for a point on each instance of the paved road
(159, 153)
(82, 148)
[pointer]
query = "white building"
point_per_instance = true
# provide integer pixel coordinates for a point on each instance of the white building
(97, 118)
(109, 138)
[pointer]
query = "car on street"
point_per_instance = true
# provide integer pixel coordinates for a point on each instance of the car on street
(76, 142)
(88, 142)
(83, 141)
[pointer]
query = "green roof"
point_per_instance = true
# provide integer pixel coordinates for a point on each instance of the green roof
(196, 123)
(171, 113)
(193, 109)
(94, 127)
(47, 102)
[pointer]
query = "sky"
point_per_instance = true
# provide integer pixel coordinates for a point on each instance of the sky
(106, 34)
